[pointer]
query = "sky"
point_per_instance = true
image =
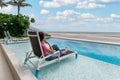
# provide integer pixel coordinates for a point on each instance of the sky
(72, 15)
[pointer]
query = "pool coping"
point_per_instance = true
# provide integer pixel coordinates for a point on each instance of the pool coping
(87, 40)
(19, 71)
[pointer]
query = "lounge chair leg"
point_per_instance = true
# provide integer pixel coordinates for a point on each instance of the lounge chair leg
(6, 41)
(76, 55)
(25, 61)
(37, 72)
(27, 57)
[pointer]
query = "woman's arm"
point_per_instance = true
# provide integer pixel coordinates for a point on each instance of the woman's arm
(49, 50)
(48, 44)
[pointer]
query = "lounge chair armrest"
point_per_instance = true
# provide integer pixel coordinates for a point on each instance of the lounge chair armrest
(57, 52)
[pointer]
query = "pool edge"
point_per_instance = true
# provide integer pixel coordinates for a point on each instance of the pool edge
(19, 71)
(88, 40)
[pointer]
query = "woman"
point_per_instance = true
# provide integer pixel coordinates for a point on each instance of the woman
(52, 48)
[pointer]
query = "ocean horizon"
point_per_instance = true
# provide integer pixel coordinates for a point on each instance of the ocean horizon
(84, 32)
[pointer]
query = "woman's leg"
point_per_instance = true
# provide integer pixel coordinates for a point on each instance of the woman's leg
(55, 47)
(62, 51)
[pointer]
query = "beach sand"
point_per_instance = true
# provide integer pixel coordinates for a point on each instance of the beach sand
(104, 38)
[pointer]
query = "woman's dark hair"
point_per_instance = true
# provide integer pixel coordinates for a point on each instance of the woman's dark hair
(41, 35)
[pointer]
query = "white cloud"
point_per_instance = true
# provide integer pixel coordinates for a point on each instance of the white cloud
(89, 5)
(66, 2)
(80, 3)
(92, 0)
(57, 3)
(103, 1)
(115, 15)
(87, 15)
(68, 13)
(41, 2)
(6, 9)
(104, 20)
(32, 15)
(51, 4)
(113, 18)
(94, 5)
(106, 1)
(43, 11)
(72, 19)
(71, 15)
(48, 4)
(58, 18)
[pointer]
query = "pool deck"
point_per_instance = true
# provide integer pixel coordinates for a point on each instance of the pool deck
(102, 38)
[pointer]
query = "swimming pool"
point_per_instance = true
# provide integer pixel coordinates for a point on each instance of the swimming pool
(105, 52)
(70, 67)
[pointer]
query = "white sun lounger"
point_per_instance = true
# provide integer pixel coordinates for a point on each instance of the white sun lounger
(38, 52)
(9, 39)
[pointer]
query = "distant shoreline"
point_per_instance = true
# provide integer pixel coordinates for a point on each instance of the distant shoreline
(87, 32)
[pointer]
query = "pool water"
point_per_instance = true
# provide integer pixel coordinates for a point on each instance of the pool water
(70, 67)
(105, 52)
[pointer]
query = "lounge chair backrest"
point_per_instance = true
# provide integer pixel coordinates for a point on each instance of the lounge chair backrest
(5, 34)
(35, 43)
(8, 34)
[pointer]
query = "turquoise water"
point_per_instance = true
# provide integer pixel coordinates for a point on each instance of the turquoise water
(103, 52)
